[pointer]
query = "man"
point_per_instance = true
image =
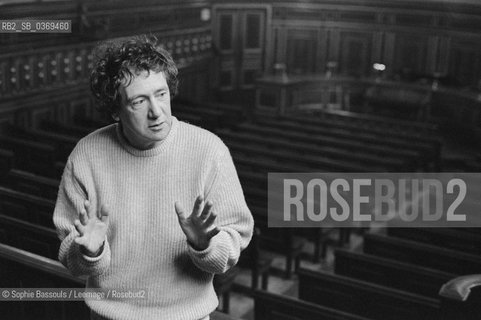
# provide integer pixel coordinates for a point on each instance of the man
(149, 203)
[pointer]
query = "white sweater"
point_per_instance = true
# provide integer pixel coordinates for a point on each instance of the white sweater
(145, 247)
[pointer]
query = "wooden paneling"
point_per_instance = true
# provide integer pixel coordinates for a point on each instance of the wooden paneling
(464, 61)
(301, 51)
(418, 38)
(410, 54)
(356, 53)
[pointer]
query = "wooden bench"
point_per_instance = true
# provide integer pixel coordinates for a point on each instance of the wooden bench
(301, 147)
(30, 155)
(314, 162)
(343, 130)
(364, 298)
(334, 142)
(27, 207)
(257, 261)
(29, 236)
(63, 144)
(72, 130)
(263, 164)
(390, 273)
(397, 126)
(223, 285)
(27, 182)
(190, 118)
(229, 114)
(208, 118)
(368, 123)
(89, 123)
(7, 161)
(428, 149)
(270, 306)
(442, 237)
(451, 261)
(279, 240)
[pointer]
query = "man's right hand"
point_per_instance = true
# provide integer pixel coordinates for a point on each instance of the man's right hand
(92, 230)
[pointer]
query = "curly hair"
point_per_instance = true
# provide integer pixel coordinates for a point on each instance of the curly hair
(120, 61)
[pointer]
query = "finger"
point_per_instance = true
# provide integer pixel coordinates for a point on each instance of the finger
(83, 217)
(212, 233)
(207, 210)
(104, 214)
(89, 209)
(105, 218)
(180, 211)
(197, 206)
(210, 220)
(79, 227)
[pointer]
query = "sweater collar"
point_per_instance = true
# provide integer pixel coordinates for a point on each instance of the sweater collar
(148, 152)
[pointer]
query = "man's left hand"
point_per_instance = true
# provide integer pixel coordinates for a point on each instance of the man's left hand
(199, 227)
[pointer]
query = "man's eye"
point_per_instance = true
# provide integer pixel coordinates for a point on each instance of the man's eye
(161, 94)
(138, 102)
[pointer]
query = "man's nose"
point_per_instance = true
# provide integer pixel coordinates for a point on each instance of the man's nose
(155, 110)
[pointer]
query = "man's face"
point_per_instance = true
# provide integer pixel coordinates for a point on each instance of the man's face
(145, 112)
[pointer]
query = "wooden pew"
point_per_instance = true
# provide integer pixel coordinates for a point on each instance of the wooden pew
(72, 130)
(229, 114)
(279, 240)
(27, 207)
(29, 236)
(256, 260)
(223, 285)
(256, 194)
(7, 161)
(90, 123)
(207, 118)
(342, 143)
(314, 162)
(363, 298)
(371, 124)
(442, 237)
(270, 306)
(390, 273)
(429, 149)
(62, 143)
(451, 261)
(192, 119)
(300, 147)
(253, 176)
(29, 155)
(343, 131)
(27, 182)
(398, 126)
(263, 164)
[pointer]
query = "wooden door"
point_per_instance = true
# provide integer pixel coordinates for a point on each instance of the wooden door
(240, 42)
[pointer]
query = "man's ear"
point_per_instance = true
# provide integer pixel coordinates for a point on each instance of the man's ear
(116, 117)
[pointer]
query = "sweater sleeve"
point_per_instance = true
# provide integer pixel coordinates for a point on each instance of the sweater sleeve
(70, 201)
(233, 219)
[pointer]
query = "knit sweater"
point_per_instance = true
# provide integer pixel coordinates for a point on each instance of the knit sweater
(145, 248)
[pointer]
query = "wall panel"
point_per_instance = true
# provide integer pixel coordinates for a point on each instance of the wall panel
(356, 53)
(301, 50)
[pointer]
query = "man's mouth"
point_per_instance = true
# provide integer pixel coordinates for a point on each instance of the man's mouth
(157, 125)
